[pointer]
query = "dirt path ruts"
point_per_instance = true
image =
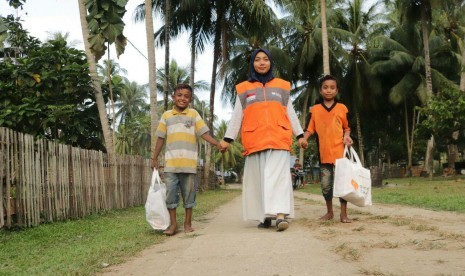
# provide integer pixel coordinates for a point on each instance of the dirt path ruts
(382, 240)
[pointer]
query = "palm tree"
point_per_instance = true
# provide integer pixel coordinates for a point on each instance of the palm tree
(109, 70)
(228, 159)
(167, 13)
(403, 54)
(200, 31)
(112, 67)
(179, 75)
(324, 35)
(95, 80)
(176, 76)
(303, 38)
(304, 42)
(412, 12)
(16, 3)
(222, 16)
(152, 75)
(452, 24)
(360, 88)
(165, 9)
(3, 32)
(134, 136)
(253, 13)
(243, 41)
(106, 28)
(133, 111)
(62, 37)
(213, 19)
(131, 101)
(183, 15)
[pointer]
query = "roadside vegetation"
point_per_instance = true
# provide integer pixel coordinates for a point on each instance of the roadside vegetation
(439, 194)
(84, 247)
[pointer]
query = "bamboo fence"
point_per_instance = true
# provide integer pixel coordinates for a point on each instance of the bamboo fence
(43, 181)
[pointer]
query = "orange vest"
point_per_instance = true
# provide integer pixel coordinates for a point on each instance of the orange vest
(265, 124)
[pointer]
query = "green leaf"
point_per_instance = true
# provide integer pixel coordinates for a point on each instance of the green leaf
(121, 3)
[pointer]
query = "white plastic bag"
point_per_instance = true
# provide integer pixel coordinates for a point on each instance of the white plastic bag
(156, 212)
(352, 181)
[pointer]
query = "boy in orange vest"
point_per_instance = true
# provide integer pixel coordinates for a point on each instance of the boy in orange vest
(328, 120)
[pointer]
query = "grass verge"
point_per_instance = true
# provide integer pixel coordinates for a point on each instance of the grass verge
(439, 194)
(84, 247)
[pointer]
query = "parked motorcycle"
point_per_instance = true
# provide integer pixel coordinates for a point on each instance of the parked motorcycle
(297, 178)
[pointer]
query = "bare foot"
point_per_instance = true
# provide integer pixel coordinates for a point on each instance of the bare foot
(188, 228)
(171, 230)
(327, 216)
(345, 219)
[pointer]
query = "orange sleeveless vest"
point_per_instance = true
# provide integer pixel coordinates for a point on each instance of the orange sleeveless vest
(265, 124)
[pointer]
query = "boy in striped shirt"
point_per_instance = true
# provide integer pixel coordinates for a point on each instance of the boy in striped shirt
(180, 127)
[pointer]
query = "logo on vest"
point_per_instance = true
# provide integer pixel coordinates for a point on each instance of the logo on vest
(251, 97)
(276, 94)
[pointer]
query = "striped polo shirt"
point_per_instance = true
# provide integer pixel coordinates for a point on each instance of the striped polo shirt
(180, 130)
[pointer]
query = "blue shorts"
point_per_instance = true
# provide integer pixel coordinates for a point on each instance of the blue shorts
(186, 183)
(327, 182)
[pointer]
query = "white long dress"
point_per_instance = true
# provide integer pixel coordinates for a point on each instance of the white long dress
(267, 185)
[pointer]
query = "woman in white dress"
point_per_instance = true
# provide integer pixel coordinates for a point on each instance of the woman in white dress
(264, 114)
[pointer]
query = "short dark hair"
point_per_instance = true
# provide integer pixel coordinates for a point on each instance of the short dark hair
(180, 86)
(325, 78)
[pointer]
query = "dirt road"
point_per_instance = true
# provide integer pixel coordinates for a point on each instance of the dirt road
(382, 240)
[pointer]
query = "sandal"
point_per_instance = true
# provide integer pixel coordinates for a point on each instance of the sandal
(281, 225)
(265, 224)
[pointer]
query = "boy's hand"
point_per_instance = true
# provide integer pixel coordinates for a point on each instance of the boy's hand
(223, 146)
(303, 143)
(155, 163)
(347, 140)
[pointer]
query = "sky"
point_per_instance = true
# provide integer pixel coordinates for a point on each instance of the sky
(45, 17)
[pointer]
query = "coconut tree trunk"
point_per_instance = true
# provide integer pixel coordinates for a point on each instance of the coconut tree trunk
(110, 87)
(167, 51)
(429, 157)
(216, 55)
(360, 138)
(303, 119)
(452, 150)
(452, 155)
(324, 33)
(429, 82)
(462, 75)
(409, 138)
(95, 80)
(193, 54)
(206, 172)
(152, 76)
(222, 171)
(429, 88)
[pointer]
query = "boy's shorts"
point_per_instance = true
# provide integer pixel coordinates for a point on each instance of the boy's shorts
(184, 182)
(327, 182)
